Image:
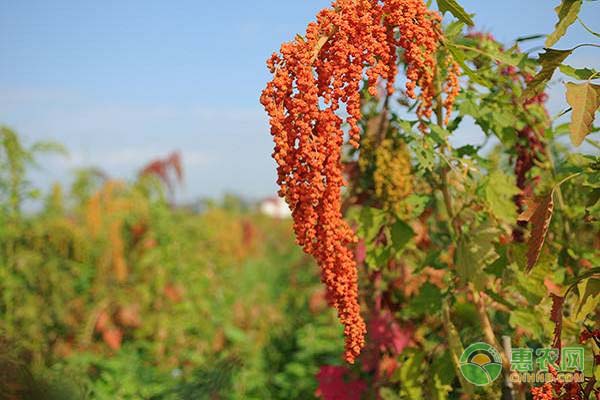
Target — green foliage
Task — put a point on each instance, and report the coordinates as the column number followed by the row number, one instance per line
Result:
column 499, row 233
column 500, row 191
column 549, row 60
column 579, row 73
column 109, row 292
column 455, row 9
column 136, row 299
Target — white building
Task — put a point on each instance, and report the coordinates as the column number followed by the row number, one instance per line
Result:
column 275, row 207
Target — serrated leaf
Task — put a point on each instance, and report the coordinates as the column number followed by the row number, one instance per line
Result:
column 567, row 13
column 453, row 29
column 455, row 9
column 475, row 251
column 531, row 284
column 539, row 214
column 556, row 316
column 499, row 193
column 549, row 60
column 439, row 134
column 584, row 99
column 579, row 73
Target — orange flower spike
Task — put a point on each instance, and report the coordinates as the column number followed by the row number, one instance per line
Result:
column 451, row 89
column 313, row 76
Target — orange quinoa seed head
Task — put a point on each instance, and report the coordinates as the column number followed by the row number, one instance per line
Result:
column 313, row 76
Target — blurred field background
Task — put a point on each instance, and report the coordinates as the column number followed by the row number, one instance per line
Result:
column 109, row 291
column 126, row 272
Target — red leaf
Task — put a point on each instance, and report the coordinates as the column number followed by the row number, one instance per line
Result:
column 361, row 252
column 174, row 293
column 335, row 385
column 387, row 334
column 102, row 321
column 129, row 316
column 556, row 316
column 113, row 338
column 539, row 213
column 161, row 168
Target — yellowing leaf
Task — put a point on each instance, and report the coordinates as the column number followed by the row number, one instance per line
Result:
column 567, row 13
column 584, row 99
column 455, row 9
column 549, row 60
column 589, row 297
column 539, row 214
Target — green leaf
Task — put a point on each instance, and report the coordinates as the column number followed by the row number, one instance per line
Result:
column 528, row 321
column 584, row 98
column 453, row 29
column 371, row 221
column 401, row 234
column 425, row 153
column 549, row 60
column 443, row 369
column 500, row 190
column 459, row 57
column 49, row 147
column 528, row 37
column 427, row 302
column 377, row 256
column 475, row 251
column 530, row 285
column 409, row 372
column 467, row 150
column 455, row 9
column 567, row 13
column 579, row 73
column 439, row 390
column 455, row 346
column 505, row 57
column 439, row 134
column 417, row 204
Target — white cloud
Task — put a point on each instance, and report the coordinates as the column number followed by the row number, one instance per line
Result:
column 223, row 149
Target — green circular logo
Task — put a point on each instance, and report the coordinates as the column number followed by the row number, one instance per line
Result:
column 480, row 364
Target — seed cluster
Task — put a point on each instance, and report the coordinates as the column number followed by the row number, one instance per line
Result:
column 316, row 78
column 393, row 175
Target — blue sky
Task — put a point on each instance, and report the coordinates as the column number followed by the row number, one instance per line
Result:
column 121, row 82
